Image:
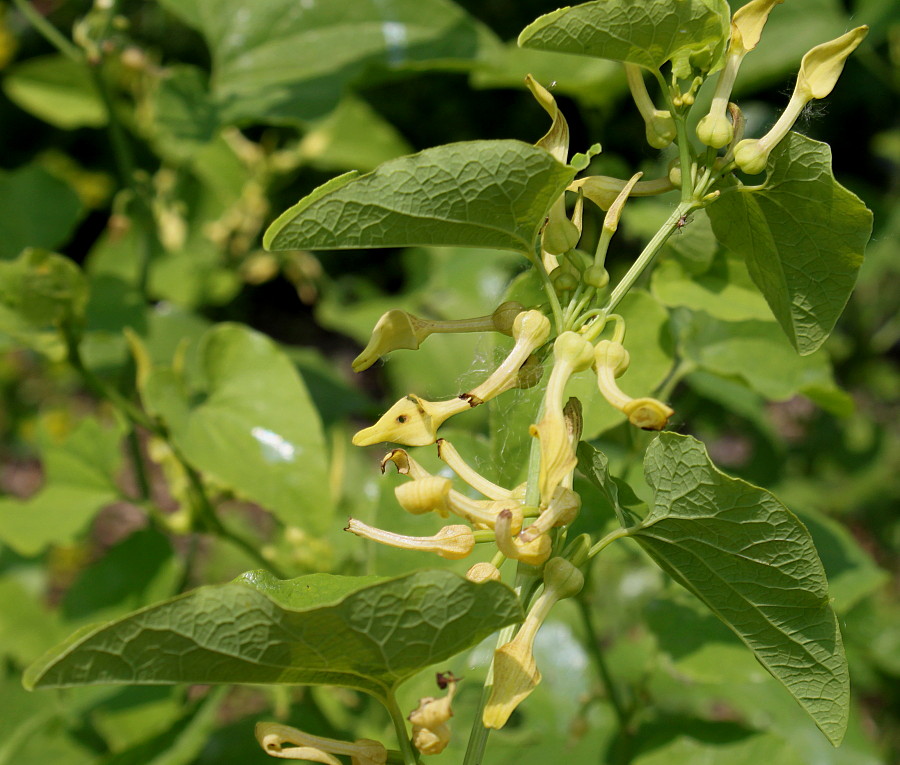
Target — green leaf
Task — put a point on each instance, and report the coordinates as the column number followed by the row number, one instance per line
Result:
column 359, row 632
column 355, row 136
column 685, row 741
column 803, row 236
column 57, row 90
column 491, row 194
column 594, row 465
column 183, row 116
column 252, row 427
column 39, row 291
column 754, row 564
column 644, row 32
column 758, row 353
column 649, row 344
column 287, row 61
column 724, row 290
column 36, row 210
column 81, row 474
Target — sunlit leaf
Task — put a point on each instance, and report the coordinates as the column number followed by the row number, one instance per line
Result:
column 360, row 632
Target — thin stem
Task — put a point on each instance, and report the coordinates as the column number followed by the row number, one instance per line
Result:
column 649, row 252
column 551, row 293
column 215, row 525
column 410, row 757
column 609, row 684
column 608, row 540
column 140, row 469
column 49, row 32
column 479, row 734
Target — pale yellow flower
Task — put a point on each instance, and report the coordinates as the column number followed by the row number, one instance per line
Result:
column 290, row 743
column 819, row 72
column 515, row 672
column 610, row 362
column 451, row 542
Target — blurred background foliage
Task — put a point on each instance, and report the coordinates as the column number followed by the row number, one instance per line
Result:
column 156, row 169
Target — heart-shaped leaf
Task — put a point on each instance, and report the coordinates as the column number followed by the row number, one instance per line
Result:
column 803, row 236
column 491, row 194
column 366, row 633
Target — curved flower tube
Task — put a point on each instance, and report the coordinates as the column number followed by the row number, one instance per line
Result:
column 533, row 552
column 430, row 729
column 451, row 542
column 273, row 737
column 448, row 453
column 515, row 672
column 571, row 354
column 819, row 72
column 562, row 510
column 398, row 329
column 610, row 362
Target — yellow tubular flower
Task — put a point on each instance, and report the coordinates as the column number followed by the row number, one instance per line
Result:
column 398, row 329
column 563, row 509
column 611, row 361
column 430, row 731
column 533, row 552
column 603, row 190
column 715, row 129
column 659, row 125
column 451, row 542
column 424, row 495
column 447, row 452
column 571, row 354
column 412, row 421
column 515, row 672
column 485, row 513
column 273, row 737
column 819, row 72
column 530, row 331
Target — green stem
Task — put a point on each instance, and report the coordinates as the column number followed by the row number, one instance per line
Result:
column 49, row 32
column 479, row 734
column 551, row 293
column 649, row 252
column 612, row 690
column 608, row 540
column 215, row 525
column 410, row 757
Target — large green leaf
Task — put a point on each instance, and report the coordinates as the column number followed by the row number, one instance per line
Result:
column 754, row 564
column 81, row 474
column 802, row 235
column 252, row 428
column 284, row 60
column 644, row 32
column 472, row 194
column 36, row 210
column 57, row 90
column 360, row 632
column 758, row 353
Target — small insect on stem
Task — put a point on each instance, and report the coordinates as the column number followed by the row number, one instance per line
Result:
column 681, row 223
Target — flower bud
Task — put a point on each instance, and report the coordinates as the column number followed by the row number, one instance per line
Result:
column 483, row 572
column 425, row 495
column 715, row 130
column 751, row 156
column 564, row 579
column 505, row 314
